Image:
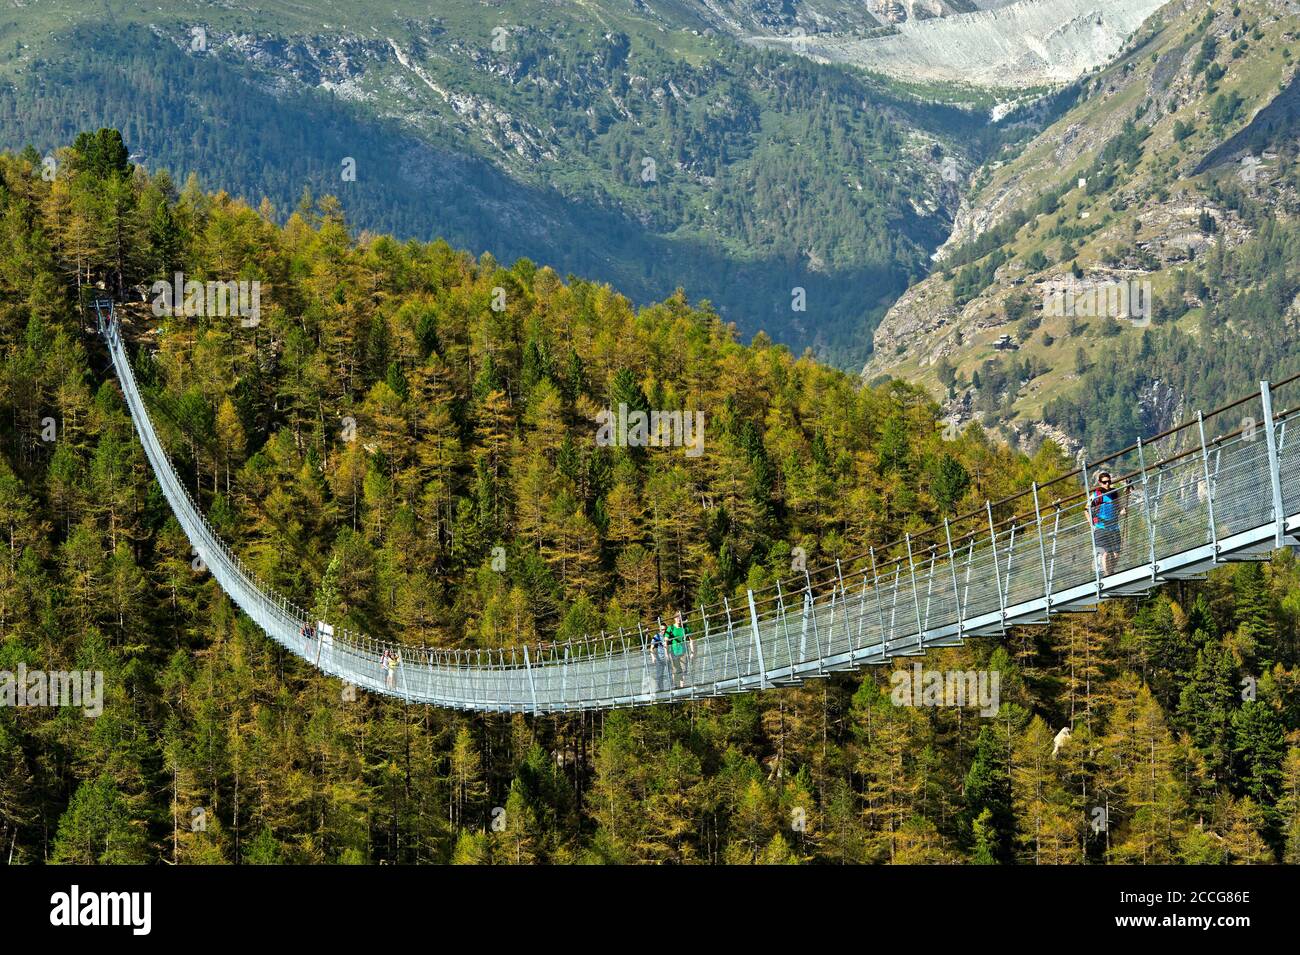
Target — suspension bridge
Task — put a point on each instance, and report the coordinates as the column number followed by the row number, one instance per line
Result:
column 1196, row 503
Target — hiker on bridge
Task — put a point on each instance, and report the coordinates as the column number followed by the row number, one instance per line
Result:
column 680, row 648
column 657, row 650
column 1108, row 509
column 389, row 663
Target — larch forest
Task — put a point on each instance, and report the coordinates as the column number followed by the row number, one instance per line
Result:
column 405, row 442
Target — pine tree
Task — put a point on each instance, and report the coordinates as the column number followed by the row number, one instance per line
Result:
column 98, row 828
column 1205, row 707
column 465, row 780
column 1289, row 806
column 1138, row 775
column 1253, row 604
column 987, row 816
column 1258, row 750
column 1243, row 839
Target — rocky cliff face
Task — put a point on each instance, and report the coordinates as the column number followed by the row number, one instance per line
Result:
column 793, row 18
column 1009, row 45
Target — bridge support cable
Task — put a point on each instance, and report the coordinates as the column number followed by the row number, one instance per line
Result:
column 880, row 608
column 958, row 603
column 1146, row 510
column 1274, row 464
column 1209, row 485
column 997, row 573
column 758, row 640
column 1092, row 526
column 1042, row 552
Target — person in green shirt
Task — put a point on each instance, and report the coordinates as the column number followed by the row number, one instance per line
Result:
column 680, row 648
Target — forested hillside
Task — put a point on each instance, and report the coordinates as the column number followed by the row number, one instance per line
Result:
column 1175, row 170
column 398, row 412
column 607, row 141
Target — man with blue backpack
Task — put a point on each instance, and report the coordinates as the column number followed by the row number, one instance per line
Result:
column 1107, row 509
column 657, row 650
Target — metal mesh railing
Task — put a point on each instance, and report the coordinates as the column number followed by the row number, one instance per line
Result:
column 1208, row 501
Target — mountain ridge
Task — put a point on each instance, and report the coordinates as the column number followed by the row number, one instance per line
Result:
column 1186, row 145
column 559, row 123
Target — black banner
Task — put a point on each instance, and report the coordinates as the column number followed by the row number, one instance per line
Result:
column 339, row 905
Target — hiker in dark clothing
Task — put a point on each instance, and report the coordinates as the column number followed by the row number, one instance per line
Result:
column 658, row 651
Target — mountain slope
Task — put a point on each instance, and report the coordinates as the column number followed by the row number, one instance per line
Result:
column 804, row 17
column 1187, row 143
column 1010, row 45
column 616, row 143
column 473, row 507
column 476, row 509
